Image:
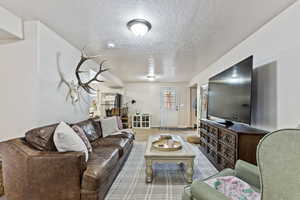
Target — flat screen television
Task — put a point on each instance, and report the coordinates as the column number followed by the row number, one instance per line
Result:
column 230, row 93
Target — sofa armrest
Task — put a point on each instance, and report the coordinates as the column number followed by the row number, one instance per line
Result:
column 35, row 175
column 202, row 191
column 248, row 172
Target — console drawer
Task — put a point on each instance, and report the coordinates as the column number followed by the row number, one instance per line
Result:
column 203, row 137
column 203, row 146
column 212, row 154
column 223, row 163
column 227, row 152
column 213, row 131
column 213, row 143
column 204, row 126
column 228, row 138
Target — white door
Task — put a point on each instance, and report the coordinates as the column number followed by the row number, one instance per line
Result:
column 169, row 107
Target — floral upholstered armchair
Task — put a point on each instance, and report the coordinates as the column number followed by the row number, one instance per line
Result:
column 277, row 176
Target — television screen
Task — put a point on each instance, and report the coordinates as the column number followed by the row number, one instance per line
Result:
column 229, row 93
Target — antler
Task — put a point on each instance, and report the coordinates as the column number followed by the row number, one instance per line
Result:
column 62, row 78
column 72, row 87
column 86, row 86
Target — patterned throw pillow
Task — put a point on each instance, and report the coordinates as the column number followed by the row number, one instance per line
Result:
column 82, row 135
column 119, row 121
column 233, row 188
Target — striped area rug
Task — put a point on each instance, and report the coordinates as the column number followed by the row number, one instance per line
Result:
column 168, row 182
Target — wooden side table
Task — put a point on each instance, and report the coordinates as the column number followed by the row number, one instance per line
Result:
column 1, row 180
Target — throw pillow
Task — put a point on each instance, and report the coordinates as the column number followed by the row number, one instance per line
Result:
column 120, row 124
column 109, row 126
column 42, row 138
column 79, row 131
column 65, row 139
column 233, row 188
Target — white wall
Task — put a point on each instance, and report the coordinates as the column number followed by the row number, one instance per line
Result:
column 29, row 80
column 276, row 48
column 11, row 26
column 17, row 71
column 147, row 96
column 52, row 104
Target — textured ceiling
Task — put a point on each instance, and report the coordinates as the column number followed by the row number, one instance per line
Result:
column 187, row 35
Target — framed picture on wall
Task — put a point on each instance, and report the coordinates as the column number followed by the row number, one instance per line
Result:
column 203, row 99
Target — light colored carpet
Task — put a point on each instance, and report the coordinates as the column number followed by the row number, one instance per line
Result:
column 143, row 134
column 168, row 182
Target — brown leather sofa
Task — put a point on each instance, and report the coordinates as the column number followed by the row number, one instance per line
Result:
column 34, row 170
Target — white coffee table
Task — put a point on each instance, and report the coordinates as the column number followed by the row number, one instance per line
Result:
column 185, row 155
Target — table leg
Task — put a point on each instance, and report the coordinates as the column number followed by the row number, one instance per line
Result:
column 149, row 171
column 190, row 171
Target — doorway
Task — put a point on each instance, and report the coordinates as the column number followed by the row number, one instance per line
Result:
column 193, row 107
column 169, row 108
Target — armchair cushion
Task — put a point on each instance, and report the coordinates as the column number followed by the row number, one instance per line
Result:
column 249, row 173
column 233, row 187
column 225, row 172
column 189, row 190
column 199, row 190
column 202, row 191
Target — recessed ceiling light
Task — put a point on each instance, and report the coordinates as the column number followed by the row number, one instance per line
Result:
column 111, row 45
column 139, row 27
column 151, row 77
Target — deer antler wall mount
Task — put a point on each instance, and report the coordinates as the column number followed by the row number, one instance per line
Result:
column 86, row 85
column 73, row 89
column 73, row 86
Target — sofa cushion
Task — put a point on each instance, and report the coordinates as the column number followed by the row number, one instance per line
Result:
column 109, row 126
column 80, row 132
column 42, row 138
column 91, row 128
column 97, row 124
column 123, row 144
column 66, row 139
column 102, row 161
column 122, row 134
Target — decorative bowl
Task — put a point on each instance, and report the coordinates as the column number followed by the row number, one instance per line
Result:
column 162, row 144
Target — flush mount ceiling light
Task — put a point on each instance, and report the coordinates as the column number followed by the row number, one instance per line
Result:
column 151, row 77
column 139, row 27
column 110, row 45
